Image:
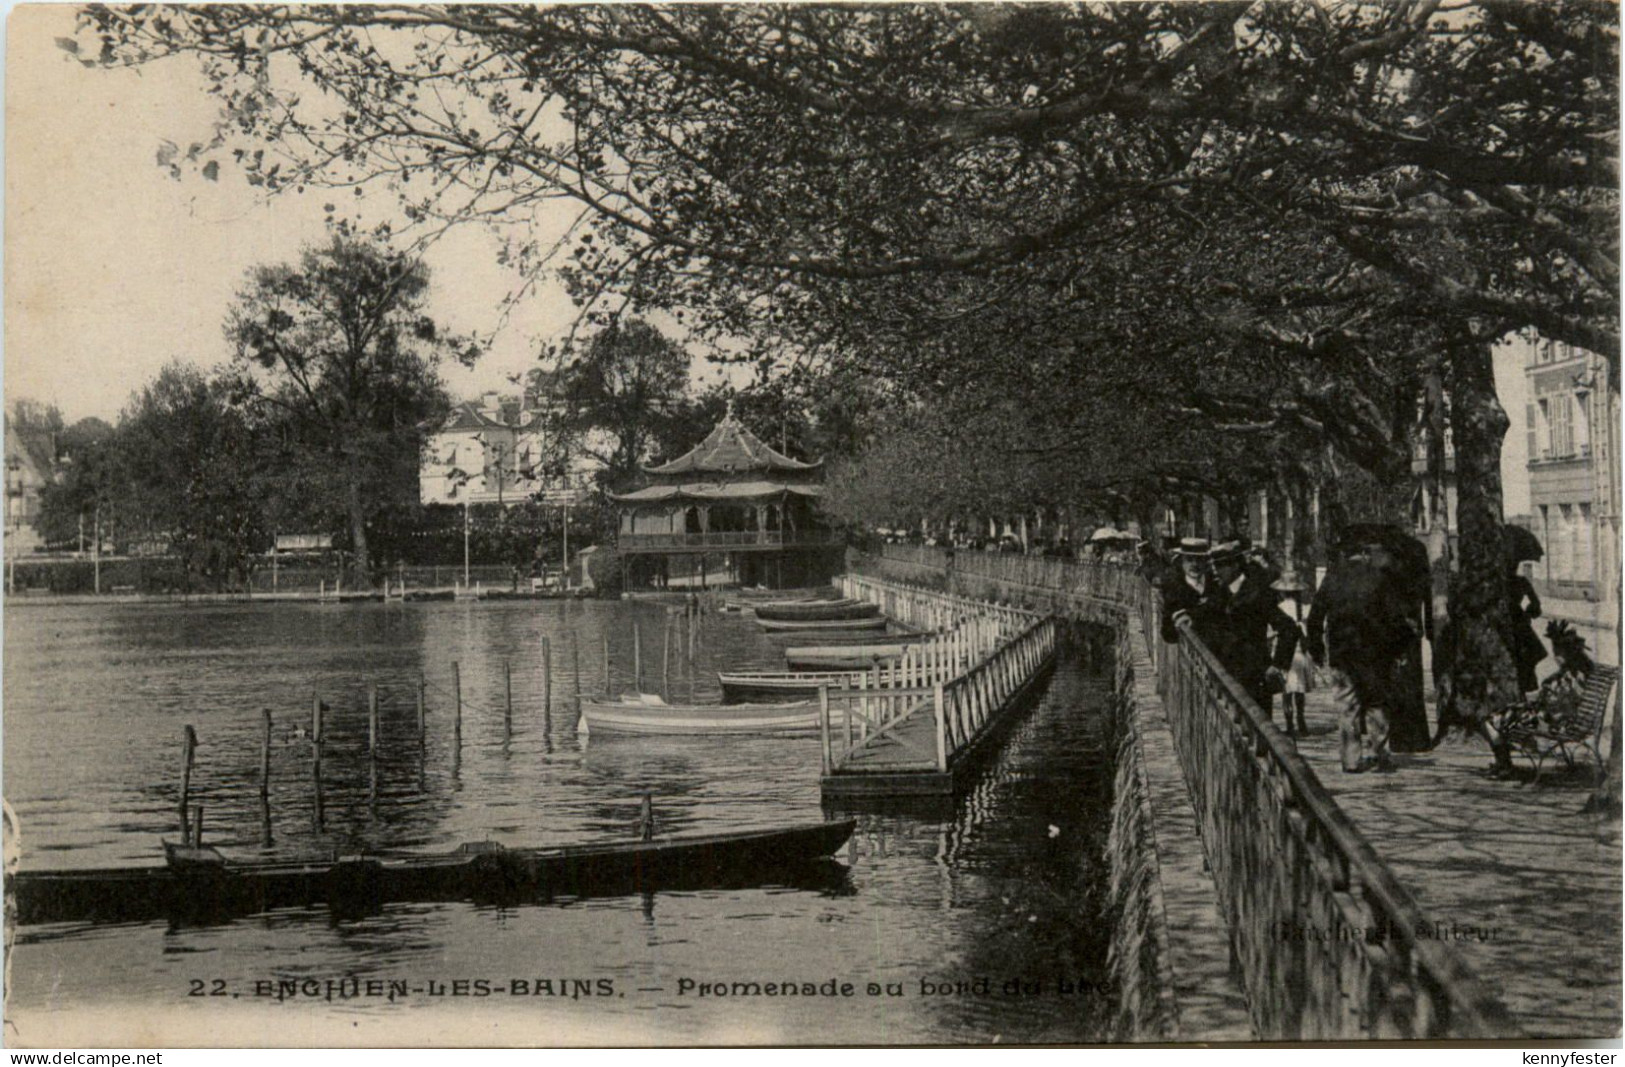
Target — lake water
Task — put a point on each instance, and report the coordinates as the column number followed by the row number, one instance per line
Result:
column 999, row 892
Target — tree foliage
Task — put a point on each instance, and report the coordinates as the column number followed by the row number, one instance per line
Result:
column 338, row 353
column 190, row 472
column 758, row 143
column 624, row 391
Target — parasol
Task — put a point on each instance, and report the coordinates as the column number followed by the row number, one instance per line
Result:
column 1521, row 544
column 1409, row 554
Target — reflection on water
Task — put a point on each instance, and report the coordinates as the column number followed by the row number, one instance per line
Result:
column 975, row 922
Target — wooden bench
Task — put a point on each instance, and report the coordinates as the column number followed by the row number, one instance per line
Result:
column 1559, row 722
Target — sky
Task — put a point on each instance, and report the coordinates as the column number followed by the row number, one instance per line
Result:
column 113, row 268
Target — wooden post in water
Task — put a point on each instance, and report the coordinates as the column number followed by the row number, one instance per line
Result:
column 423, row 684
column 507, row 698
column 665, row 662
column 265, row 759
column 372, row 721
column 607, row 693
column 188, row 750
column 575, row 666
column 457, row 701
column 316, row 783
column 942, row 727
column 547, row 678
column 637, row 659
column 316, row 720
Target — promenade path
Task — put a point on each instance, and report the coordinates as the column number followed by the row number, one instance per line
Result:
column 1532, row 885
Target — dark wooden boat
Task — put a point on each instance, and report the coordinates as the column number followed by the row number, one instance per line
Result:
column 874, row 622
column 815, row 610
column 201, row 883
column 848, row 637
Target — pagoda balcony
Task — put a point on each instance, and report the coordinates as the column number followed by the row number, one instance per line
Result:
column 729, row 541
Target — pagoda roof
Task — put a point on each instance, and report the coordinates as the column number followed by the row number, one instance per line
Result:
column 712, row 491
column 730, row 448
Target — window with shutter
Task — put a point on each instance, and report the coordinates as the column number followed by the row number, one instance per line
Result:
column 1562, row 428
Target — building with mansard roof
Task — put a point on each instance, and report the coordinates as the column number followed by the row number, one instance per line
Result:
column 504, row 450
column 731, row 509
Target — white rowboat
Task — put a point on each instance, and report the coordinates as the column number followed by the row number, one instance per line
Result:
column 645, row 713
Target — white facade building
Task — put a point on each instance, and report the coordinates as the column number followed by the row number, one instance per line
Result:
column 503, row 450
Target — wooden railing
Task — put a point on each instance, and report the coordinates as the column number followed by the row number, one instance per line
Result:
column 931, row 609
column 730, row 539
column 966, row 705
column 1330, row 944
column 981, row 655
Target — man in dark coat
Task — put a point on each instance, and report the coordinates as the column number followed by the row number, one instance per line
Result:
column 1360, row 627
column 1190, row 594
column 1251, row 612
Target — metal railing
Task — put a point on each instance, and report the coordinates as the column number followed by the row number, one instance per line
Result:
column 1330, row 944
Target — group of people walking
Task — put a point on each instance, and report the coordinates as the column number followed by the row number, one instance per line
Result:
column 1365, row 628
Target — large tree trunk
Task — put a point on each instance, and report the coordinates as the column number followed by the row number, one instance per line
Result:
column 362, row 570
column 1298, row 531
column 1440, row 562
column 1475, row 639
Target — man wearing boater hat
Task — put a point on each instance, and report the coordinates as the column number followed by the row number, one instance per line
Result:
column 1251, row 611
column 1191, row 594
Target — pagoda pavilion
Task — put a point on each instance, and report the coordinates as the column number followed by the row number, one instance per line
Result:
column 730, row 511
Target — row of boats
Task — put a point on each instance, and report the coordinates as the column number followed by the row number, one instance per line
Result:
column 833, row 640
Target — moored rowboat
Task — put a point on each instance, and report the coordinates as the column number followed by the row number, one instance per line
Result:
column 815, row 610
column 202, row 882
column 647, row 714
column 747, row 686
column 848, row 637
column 834, row 662
column 876, row 623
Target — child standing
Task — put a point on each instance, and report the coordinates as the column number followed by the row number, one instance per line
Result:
column 1300, row 676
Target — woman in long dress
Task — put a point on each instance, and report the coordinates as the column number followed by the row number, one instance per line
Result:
column 1527, row 650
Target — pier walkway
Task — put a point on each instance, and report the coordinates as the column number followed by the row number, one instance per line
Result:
column 912, row 726
column 1490, row 908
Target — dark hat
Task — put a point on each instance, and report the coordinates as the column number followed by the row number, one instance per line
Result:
column 1193, row 546
column 1225, row 551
